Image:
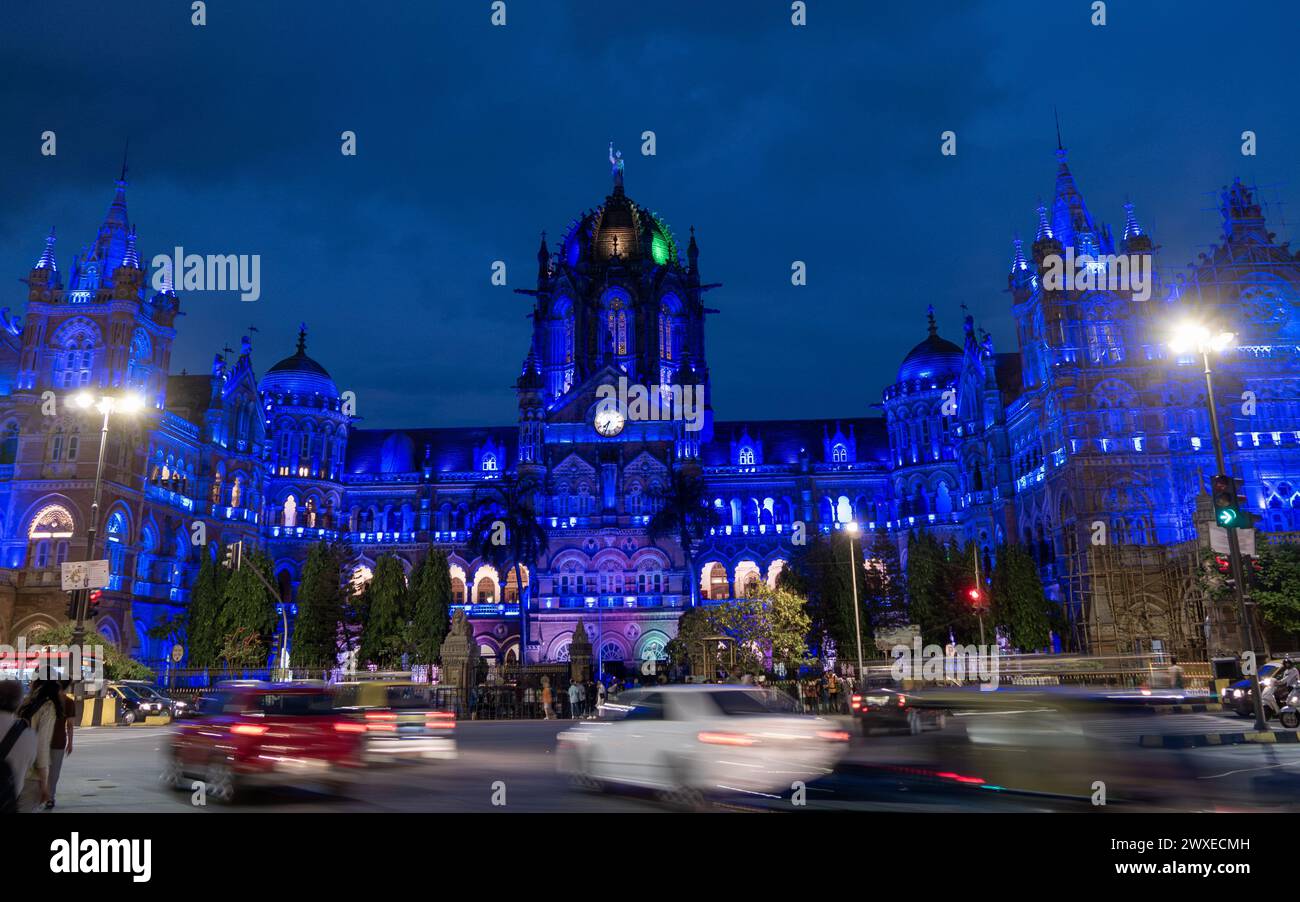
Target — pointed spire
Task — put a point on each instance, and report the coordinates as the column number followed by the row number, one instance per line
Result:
column 1018, row 262
column 132, row 257
column 933, row 329
column 47, row 260
column 1044, row 229
column 302, row 339
column 125, row 150
column 166, row 277
column 1131, row 227
column 543, row 261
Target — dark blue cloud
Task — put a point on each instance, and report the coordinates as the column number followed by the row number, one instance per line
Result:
column 818, row 144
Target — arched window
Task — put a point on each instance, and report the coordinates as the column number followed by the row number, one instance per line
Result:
column 611, row 651
column 74, row 353
column 51, row 522
column 56, row 445
column 489, row 463
column 716, row 587
column 138, row 365
column 746, row 456
column 485, row 591
column 839, row 453
column 616, row 325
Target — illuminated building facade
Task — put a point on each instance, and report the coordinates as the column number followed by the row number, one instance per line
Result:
column 1089, row 425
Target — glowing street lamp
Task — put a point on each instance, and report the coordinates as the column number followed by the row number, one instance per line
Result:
column 852, row 529
column 1192, row 337
column 127, row 404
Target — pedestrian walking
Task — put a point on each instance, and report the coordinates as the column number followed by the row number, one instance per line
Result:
column 575, row 699
column 17, row 746
column 833, row 690
column 548, row 700
column 41, row 709
column 601, row 696
column 61, row 740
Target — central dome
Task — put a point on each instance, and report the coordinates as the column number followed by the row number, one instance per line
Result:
column 934, row 358
column 619, row 227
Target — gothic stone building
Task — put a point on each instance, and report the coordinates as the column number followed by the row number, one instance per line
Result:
column 1090, row 422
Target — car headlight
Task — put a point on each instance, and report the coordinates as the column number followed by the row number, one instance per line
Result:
column 1237, row 693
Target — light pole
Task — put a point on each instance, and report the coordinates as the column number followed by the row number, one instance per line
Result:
column 852, row 529
column 1189, row 337
column 107, row 405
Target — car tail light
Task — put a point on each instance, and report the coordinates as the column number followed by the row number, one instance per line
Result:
column 718, row 738
column 347, row 726
column 855, row 702
column 833, row 735
column 381, row 722
column 440, row 720
column 949, row 775
column 902, row 702
column 248, row 729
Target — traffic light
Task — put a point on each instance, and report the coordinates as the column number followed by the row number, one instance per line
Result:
column 977, row 599
column 92, row 602
column 232, row 556
column 1227, row 513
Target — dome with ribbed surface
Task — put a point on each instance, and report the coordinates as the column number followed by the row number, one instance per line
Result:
column 933, row 358
column 299, row 374
column 619, row 227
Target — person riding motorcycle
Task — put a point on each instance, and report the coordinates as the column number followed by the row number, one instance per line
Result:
column 1286, row 682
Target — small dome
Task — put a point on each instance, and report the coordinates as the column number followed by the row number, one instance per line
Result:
column 934, row 358
column 299, row 374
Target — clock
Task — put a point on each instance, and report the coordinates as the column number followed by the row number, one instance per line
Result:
column 608, row 421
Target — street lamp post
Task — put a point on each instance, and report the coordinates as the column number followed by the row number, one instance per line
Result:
column 852, row 529
column 1193, row 337
column 106, row 404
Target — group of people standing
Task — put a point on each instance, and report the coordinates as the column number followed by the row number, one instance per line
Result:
column 824, row 693
column 35, row 738
column 585, row 699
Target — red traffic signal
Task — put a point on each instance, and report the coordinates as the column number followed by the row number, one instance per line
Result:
column 974, row 594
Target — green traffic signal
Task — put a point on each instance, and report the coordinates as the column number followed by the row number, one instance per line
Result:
column 1223, row 492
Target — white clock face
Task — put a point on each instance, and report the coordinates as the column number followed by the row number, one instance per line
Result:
column 608, row 421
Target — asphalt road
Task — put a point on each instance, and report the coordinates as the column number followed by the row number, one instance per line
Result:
column 1023, row 769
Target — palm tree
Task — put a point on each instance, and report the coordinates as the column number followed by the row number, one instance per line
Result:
column 683, row 513
column 507, row 533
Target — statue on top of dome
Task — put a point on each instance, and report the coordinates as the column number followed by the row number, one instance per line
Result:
column 616, row 165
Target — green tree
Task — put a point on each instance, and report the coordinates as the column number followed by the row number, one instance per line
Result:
column 384, row 630
column 683, row 513
column 507, row 533
column 1019, row 606
column 248, row 609
column 883, row 586
column 206, row 599
column 430, row 605
column 1277, row 587
column 320, row 606
column 773, row 624
column 820, row 571
column 929, row 587
column 118, row 665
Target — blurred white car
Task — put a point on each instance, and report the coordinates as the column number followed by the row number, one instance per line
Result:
column 688, row 741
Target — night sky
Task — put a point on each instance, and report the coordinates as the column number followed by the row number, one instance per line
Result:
column 777, row 143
